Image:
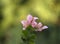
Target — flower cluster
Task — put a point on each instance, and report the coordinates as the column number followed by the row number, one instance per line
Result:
column 32, row 21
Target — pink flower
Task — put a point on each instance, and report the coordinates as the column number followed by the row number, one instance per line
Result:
column 40, row 27
column 30, row 21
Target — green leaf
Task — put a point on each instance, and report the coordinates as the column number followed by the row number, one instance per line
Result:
column 15, row 35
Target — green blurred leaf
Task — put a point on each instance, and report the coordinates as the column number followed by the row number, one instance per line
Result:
column 15, row 35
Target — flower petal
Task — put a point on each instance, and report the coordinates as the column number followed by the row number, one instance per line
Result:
column 24, row 28
column 34, row 24
column 35, row 18
column 44, row 27
column 23, row 22
column 29, row 18
column 39, row 25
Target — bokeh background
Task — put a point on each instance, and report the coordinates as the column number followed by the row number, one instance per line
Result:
column 13, row 11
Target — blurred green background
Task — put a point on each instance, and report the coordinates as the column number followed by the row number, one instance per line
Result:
column 13, row 11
